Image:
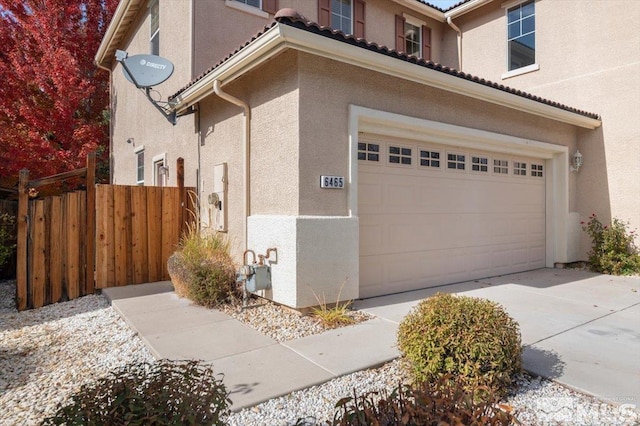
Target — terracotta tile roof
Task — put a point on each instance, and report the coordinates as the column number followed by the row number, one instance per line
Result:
column 433, row 6
column 293, row 19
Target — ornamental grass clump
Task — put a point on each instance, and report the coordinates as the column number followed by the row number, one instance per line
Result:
column 332, row 316
column 469, row 338
column 159, row 393
column 612, row 247
column 202, row 268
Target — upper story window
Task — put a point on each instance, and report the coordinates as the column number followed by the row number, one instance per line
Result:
column 254, row 3
column 413, row 37
column 140, row 166
column 256, row 7
column 521, row 34
column 154, row 30
column 343, row 15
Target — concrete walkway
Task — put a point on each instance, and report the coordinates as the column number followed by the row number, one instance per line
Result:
column 580, row 329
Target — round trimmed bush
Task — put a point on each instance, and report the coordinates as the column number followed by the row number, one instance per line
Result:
column 469, row 338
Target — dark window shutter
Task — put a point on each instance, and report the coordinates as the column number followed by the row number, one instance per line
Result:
column 358, row 18
column 270, row 6
column 426, row 43
column 324, row 13
column 400, row 39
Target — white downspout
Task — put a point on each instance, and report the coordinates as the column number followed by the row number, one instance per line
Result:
column 457, row 30
column 246, row 143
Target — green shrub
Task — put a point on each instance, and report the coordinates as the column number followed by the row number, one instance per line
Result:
column 202, row 269
column 612, row 247
column 444, row 402
column 470, row 338
column 160, row 393
column 7, row 236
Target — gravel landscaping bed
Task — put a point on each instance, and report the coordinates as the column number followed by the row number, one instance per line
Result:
column 48, row 353
column 260, row 315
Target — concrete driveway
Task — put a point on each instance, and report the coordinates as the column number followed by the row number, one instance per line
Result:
column 579, row 328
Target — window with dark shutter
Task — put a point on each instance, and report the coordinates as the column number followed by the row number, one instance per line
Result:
column 324, row 13
column 426, row 43
column 400, row 39
column 358, row 18
column 270, row 6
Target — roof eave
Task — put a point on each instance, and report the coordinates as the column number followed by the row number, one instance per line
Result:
column 423, row 9
column 282, row 36
column 119, row 25
column 465, row 8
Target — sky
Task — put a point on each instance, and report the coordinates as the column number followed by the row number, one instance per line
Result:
column 443, row 4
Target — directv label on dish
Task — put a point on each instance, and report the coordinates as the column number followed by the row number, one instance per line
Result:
column 147, row 70
column 336, row 182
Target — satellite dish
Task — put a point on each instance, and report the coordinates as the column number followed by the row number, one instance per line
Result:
column 146, row 70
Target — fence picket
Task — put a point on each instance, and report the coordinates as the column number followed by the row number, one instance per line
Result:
column 121, row 209
column 171, row 207
column 55, row 245
column 38, row 241
column 139, row 235
column 154, row 232
column 72, row 236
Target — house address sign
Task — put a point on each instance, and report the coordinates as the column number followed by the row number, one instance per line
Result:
column 332, row 182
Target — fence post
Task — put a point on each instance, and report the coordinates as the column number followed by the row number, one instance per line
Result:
column 23, row 217
column 91, row 223
column 183, row 196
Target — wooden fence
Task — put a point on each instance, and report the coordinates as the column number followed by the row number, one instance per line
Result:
column 109, row 235
column 137, row 230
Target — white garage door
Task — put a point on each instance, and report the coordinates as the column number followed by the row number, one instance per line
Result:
column 432, row 215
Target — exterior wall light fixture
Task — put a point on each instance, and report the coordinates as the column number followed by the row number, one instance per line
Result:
column 577, row 161
column 130, row 141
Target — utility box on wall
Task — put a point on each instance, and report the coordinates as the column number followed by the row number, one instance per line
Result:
column 218, row 198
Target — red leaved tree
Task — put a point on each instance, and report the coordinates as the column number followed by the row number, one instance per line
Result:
column 53, row 98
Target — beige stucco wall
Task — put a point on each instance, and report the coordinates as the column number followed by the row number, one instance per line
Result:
column 220, row 29
column 324, row 121
column 589, row 57
column 134, row 117
column 272, row 94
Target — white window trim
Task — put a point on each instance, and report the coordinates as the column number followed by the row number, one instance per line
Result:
column 410, row 19
column 246, row 8
column 520, row 71
column 152, row 36
column 137, row 151
column 156, row 159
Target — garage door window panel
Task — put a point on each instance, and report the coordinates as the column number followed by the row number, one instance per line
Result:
column 537, row 170
column 456, row 162
column 399, row 155
column 500, row 167
column 430, row 159
column 369, row 152
column 479, row 164
column 519, row 168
